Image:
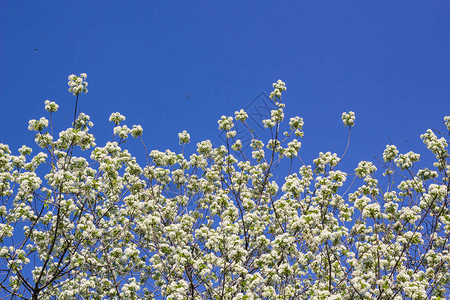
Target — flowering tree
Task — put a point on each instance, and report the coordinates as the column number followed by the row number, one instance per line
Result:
column 101, row 226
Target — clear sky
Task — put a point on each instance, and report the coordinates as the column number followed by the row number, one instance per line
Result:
column 179, row 65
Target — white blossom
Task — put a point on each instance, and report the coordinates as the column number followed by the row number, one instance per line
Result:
column 279, row 87
column 51, row 106
column 348, row 119
column 78, row 84
column 79, row 220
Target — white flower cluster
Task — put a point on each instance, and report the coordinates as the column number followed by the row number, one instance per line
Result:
column 365, row 168
column 276, row 116
column 184, row 137
column 372, row 211
column 296, row 124
column 69, row 137
column 404, row 161
column 51, row 106
column 24, row 150
column 279, row 87
column 269, row 123
column 225, row 123
column 122, row 131
column 116, row 118
column 390, row 153
column 205, row 148
column 447, row 122
column 136, row 131
column 78, row 84
column 240, row 115
column 292, row 150
column 231, row 134
column 437, row 146
column 237, row 145
column 348, row 119
column 37, row 125
column 163, row 158
column 426, row 174
column 325, row 159
column 407, row 186
column 129, row 289
column 44, row 140
column 83, row 122
column 258, row 154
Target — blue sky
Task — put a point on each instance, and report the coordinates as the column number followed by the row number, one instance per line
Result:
column 180, row 65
